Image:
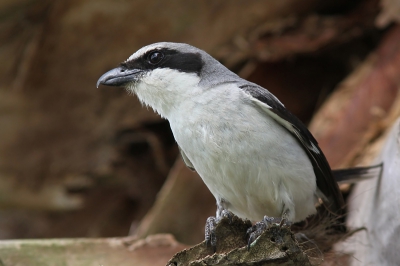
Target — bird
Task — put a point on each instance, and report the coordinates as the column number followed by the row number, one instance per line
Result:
column 257, row 158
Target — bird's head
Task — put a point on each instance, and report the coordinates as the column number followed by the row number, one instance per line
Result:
column 160, row 74
column 163, row 75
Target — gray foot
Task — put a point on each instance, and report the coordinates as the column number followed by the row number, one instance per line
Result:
column 211, row 224
column 257, row 229
column 210, row 237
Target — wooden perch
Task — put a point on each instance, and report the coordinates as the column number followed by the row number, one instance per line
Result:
column 276, row 246
column 128, row 251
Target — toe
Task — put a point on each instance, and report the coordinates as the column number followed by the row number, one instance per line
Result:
column 210, row 237
column 227, row 214
column 210, row 229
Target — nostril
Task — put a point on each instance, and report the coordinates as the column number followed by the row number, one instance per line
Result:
column 122, row 70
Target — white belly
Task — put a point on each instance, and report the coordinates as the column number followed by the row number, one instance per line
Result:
column 248, row 160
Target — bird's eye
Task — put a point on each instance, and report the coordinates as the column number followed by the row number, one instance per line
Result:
column 155, row 58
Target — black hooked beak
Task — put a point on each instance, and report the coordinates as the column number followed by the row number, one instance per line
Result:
column 118, row 76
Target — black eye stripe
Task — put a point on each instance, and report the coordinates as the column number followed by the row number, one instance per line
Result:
column 173, row 59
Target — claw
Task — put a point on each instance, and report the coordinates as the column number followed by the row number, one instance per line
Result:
column 210, row 236
column 227, row 214
column 256, row 230
column 211, row 223
column 269, row 220
column 284, row 223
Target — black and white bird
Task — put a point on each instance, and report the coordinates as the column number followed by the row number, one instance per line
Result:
column 256, row 158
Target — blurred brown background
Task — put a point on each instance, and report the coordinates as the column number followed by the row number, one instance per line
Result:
column 77, row 161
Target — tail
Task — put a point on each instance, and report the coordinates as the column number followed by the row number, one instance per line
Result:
column 357, row 174
column 322, row 230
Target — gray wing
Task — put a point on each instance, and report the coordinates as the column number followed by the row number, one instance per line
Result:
column 186, row 160
column 326, row 183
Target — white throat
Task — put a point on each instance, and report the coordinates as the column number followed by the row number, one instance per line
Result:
column 165, row 89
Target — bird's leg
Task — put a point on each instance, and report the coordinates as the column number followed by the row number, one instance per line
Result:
column 258, row 228
column 211, row 223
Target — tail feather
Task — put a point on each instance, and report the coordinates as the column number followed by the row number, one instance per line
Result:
column 357, row 174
